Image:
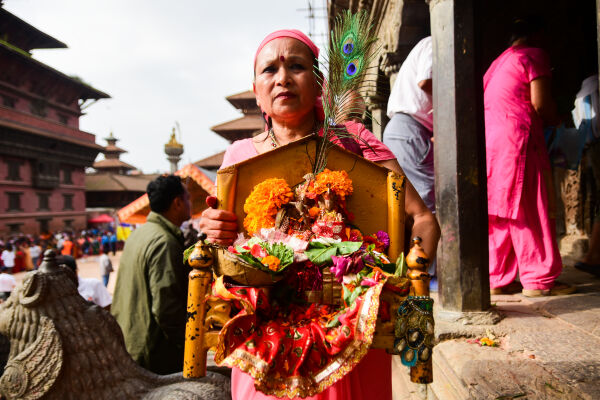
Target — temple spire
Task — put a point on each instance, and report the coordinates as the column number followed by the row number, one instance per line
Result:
column 173, row 150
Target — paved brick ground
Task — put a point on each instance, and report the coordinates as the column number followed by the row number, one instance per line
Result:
column 549, row 348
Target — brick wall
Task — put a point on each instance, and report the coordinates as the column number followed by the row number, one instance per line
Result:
column 30, row 214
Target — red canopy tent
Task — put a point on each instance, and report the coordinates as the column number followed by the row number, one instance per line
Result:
column 101, row 219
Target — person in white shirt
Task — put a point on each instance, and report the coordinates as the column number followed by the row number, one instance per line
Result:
column 409, row 134
column 90, row 289
column 7, row 284
column 105, row 267
column 35, row 252
column 8, row 258
column 410, row 130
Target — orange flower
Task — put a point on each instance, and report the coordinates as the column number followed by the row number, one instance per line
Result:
column 337, row 181
column 271, row 262
column 314, row 212
column 264, row 201
column 487, row 342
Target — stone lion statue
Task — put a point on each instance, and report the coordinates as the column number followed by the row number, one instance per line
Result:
column 63, row 347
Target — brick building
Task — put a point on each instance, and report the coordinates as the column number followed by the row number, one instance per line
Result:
column 43, row 153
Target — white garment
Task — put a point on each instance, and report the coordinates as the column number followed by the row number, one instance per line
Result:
column 8, row 258
column 93, row 290
column 105, row 264
column 589, row 87
column 7, row 282
column 407, row 97
column 35, row 251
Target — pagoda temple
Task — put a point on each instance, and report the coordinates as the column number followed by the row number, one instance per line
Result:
column 249, row 125
column 43, row 153
column 114, row 183
column 111, row 162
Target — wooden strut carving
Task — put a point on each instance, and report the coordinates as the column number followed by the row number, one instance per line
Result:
column 64, row 347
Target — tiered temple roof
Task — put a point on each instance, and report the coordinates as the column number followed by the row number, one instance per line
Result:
column 111, row 162
column 248, row 125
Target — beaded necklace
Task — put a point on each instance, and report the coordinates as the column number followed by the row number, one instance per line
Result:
column 275, row 143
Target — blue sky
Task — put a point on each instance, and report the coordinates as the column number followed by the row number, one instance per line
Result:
column 161, row 62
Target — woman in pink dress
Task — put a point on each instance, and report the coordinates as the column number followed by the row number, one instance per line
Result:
column 287, row 91
column 521, row 216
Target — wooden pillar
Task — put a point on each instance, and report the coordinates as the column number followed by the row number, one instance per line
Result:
column 460, row 173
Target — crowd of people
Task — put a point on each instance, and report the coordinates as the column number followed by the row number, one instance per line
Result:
column 25, row 252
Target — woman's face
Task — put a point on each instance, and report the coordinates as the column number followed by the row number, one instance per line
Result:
column 285, row 84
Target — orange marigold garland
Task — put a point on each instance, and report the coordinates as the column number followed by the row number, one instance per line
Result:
column 263, row 203
column 337, row 181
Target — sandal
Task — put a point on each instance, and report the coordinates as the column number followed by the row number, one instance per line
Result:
column 559, row 289
column 593, row 269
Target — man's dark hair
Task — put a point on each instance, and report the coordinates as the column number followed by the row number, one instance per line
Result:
column 162, row 191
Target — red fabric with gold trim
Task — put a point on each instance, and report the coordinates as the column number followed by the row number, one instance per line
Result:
column 292, row 352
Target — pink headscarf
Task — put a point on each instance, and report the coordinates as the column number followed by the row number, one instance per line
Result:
column 295, row 34
column 292, row 33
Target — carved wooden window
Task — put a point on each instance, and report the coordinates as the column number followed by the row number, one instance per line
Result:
column 14, row 228
column 8, row 101
column 43, row 201
column 39, row 108
column 68, row 201
column 44, row 225
column 14, row 201
column 67, row 178
column 14, row 170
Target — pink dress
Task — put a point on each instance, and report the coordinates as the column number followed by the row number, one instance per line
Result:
column 521, row 225
column 371, row 378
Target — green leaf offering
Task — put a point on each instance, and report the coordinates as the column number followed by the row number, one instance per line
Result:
column 320, row 253
column 281, row 251
column 401, row 267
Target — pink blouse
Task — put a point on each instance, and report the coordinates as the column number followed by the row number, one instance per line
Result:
column 510, row 122
column 244, row 149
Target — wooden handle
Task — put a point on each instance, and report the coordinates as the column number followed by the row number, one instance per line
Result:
column 194, row 355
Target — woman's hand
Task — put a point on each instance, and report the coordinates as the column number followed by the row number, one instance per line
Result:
column 220, row 226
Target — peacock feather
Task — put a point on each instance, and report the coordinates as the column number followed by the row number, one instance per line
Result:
column 352, row 47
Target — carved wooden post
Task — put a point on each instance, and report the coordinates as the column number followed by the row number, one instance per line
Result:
column 395, row 198
column 418, row 262
column 194, row 356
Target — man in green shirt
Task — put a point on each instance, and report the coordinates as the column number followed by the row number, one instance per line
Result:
column 150, row 295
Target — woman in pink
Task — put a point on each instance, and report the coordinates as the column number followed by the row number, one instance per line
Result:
column 517, row 103
column 287, row 90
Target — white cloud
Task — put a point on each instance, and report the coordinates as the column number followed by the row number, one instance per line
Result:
column 161, row 62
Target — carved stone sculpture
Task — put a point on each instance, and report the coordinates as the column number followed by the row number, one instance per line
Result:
column 63, row 347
